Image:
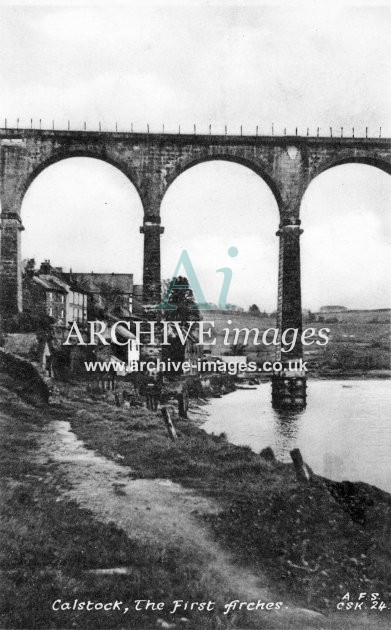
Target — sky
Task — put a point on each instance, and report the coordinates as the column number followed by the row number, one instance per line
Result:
column 236, row 64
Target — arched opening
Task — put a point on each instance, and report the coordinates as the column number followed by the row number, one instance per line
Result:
column 346, row 270
column 345, row 245
column 211, row 207
column 83, row 213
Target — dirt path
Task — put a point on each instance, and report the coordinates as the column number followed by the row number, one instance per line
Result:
column 161, row 513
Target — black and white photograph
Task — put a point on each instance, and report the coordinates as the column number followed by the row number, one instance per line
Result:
column 195, row 309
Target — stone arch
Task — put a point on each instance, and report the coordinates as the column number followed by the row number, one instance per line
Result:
column 374, row 161
column 222, row 197
column 60, row 156
column 91, row 194
column 323, row 228
column 259, row 169
column 366, row 160
column 11, row 294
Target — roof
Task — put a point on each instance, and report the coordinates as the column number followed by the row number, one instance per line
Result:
column 54, row 282
column 50, row 283
column 94, row 282
column 125, row 332
column 54, row 279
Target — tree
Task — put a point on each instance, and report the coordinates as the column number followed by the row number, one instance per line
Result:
column 254, row 309
column 28, row 322
column 28, row 267
column 112, row 300
column 181, row 296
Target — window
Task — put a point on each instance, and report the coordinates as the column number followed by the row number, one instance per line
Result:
column 51, row 311
column 50, row 295
column 62, row 313
column 62, row 298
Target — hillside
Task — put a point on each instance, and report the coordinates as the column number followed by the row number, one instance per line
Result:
column 359, row 340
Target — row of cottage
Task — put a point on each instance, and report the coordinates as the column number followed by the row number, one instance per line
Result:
column 82, row 297
column 70, row 297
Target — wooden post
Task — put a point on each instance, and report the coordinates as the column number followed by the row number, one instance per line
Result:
column 301, row 472
column 181, row 406
column 183, row 401
column 169, row 425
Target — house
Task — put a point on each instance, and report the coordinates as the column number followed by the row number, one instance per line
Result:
column 43, row 295
column 109, row 292
column 47, row 297
column 129, row 353
column 76, row 306
column 48, row 292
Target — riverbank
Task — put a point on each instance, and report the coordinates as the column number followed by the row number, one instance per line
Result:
column 337, row 433
column 306, row 541
column 295, row 538
column 348, row 375
column 78, row 527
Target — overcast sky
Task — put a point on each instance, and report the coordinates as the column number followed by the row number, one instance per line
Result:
column 249, row 65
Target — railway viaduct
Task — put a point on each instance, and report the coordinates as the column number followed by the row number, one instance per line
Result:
column 152, row 162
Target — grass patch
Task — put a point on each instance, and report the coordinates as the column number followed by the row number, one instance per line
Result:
column 305, row 540
column 49, row 543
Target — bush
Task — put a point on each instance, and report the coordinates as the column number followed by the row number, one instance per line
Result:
column 26, row 322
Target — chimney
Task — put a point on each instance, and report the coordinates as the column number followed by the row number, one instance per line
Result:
column 45, row 267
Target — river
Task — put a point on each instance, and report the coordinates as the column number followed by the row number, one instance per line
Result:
column 344, row 432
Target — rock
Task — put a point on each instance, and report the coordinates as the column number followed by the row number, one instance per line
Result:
column 268, row 454
column 164, row 624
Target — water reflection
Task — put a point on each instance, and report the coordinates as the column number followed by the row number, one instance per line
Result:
column 286, row 429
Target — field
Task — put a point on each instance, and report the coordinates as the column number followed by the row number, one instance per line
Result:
column 359, row 341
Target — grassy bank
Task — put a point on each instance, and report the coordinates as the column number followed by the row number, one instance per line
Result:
column 50, row 545
column 304, row 538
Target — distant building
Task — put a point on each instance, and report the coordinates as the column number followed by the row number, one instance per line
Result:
column 109, row 292
column 332, row 309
